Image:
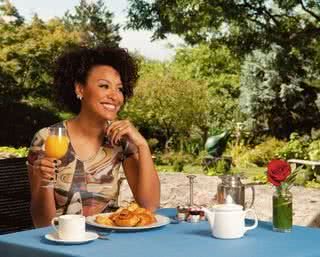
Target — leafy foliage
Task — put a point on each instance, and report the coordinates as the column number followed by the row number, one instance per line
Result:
column 94, row 23
column 314, row 150
column 214, row 65
column 261, row 179
column 221, row 167
column 169, row 108
column 217, row 68
column 28, row 52
column 8, row 88
column 29, row 49
column 19, row 152
column 279, row 84
column 260, row 155
column 274, row 97
column 312, row 184
column 9, row 13
column 176, row 159
column 296, row 148
column 243, row 25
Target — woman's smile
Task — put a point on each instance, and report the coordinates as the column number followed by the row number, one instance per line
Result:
column 110, row 107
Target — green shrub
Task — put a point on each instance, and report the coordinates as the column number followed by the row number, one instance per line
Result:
column 315, row 134
column 158, row 159
column 191, row 145
column 236, row 153
column 312, row 184
column 176, row 159
column 261, row 179
column 164, row 159
column 180, row 160
column 198, row 160
column 19, row 152
column 178, row 165
column 314, row 150
column 153, row 142
column 219, row 168
column 265, row 151
column 260, row 155
column 296, row 148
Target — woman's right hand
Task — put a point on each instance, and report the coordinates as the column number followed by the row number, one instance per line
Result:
column 46, row 168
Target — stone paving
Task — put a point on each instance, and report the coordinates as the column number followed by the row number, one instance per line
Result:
column 175, row 191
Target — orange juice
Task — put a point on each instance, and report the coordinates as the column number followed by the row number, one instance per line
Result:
column 56, row 146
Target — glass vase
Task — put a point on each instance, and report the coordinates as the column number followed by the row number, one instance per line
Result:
column 282, row 210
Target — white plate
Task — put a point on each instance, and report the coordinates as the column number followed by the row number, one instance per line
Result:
column 89, row 236
column 161, row 221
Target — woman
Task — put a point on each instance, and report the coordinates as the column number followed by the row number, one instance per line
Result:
column 94, row 84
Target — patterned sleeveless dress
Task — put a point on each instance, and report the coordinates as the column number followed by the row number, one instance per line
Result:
column 89, row 186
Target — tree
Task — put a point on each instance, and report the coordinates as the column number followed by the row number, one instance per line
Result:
column 243, row 24
column 9, row 14
column 29, row 50
column 279, row 103
column 219, row 70
column 94, row 22
column 169, row 109
column 217, row 66
column 8, row 89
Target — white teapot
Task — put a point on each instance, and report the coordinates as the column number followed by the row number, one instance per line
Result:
column 227, row 221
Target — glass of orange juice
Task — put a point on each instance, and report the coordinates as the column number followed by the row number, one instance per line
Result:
column 56, row 144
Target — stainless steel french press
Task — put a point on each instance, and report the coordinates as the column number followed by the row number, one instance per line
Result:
column 231, row 186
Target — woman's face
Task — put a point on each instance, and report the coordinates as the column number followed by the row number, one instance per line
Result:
column 102, row 94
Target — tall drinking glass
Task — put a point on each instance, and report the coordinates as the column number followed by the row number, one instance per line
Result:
column 56, row 146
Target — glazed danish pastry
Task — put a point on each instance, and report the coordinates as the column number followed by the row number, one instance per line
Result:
column 126, row 218
column 132, row 216
column 105, row 220
column 145, row 219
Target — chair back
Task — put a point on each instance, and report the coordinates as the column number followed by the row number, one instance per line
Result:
column 14, row 196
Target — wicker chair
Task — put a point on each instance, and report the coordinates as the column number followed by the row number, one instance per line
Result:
column 14, row 196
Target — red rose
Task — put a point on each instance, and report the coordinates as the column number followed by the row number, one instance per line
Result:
column 278, row 171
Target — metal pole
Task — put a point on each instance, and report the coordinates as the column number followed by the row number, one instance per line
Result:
column 191, row 181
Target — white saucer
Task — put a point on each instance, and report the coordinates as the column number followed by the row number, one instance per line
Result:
column 89, row 236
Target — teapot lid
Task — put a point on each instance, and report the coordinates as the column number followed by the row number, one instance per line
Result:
column 229, row 207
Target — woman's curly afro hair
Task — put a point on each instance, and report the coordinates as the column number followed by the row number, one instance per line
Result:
column 74, row 66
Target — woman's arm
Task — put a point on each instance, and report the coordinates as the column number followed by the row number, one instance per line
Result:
column 143, row 178
column 139, row 169
column 43, row 208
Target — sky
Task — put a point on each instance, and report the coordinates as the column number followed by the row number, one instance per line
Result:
column 139, row 41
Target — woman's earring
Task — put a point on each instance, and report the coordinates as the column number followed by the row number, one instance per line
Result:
column 79, row 97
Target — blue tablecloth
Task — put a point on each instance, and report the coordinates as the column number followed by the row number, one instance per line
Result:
column 173, row 240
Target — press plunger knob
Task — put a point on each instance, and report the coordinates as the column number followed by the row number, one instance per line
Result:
column 229, row 199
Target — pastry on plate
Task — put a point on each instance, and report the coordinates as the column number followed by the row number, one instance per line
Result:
column 104, row 220
column 126, row 218
column 132, row 216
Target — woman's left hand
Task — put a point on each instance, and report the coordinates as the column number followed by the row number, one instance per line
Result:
column 124, row 129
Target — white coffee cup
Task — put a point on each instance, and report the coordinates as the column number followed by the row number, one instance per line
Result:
column 70, row 227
